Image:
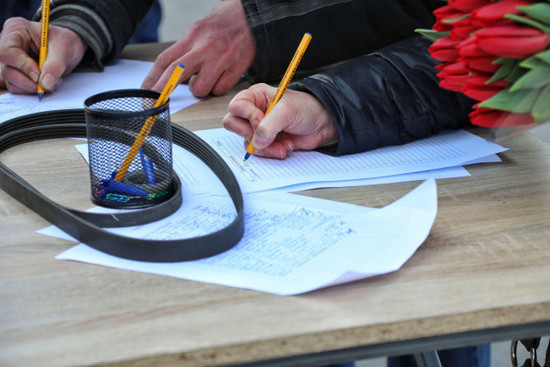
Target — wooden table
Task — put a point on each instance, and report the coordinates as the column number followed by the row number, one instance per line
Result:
column 482, row 275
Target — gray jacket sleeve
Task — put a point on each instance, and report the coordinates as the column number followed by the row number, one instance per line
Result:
column 104, row 25
column 341, row 29
column 391, row 96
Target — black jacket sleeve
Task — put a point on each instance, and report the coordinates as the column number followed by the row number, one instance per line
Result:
column 104, row 25
column 388, row 97
column 341, row 29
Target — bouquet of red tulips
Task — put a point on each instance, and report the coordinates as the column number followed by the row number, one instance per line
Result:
column 496, row 52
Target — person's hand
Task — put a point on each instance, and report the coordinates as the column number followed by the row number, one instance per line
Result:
column 216, row 51
column 298, row 121
column 19, row 50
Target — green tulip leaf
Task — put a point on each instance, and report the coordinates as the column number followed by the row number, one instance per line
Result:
column 520, row 101
column 450, row 20
column 535, row 62
column 543, row 55
column 516, row 73
column 534, row 78
column 431, row 34
column 502, row 59
column 541, row 108
column 538, row 11
column 528, row 21
column 505, row 69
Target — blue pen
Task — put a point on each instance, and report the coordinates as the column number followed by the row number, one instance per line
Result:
column 148, row 168
column 110, row 185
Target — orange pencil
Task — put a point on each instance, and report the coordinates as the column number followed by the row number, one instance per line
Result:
column 43, row 42
column 284, row 82
column 148, row 125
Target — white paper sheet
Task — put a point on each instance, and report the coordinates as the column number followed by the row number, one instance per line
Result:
column 76, row 87
column 447, row 149
column 280, row 253
column 198, row 180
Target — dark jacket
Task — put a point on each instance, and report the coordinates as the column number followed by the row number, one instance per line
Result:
column 341, row 30
column 104, row 25
column 388, row 97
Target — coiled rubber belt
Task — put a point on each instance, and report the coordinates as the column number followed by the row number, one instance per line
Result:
column 87, row 227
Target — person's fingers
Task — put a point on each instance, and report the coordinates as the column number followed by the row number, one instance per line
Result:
column 272, row 124
column 2, row 82
column 219, row 72
column 251, row 103
column 18, row 41
column 278, row 149
column 64, row 54
column 238, row 125
column 216, row 52
column 225, row 82
column 17, row 82
column 165, row 64
column 52, row 71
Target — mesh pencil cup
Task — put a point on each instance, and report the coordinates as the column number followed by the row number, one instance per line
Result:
column 129, row 148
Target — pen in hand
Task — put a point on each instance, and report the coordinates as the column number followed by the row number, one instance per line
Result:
column 43, row 42
column 284, row 82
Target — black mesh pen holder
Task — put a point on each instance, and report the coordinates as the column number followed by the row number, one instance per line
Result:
column 129, row 148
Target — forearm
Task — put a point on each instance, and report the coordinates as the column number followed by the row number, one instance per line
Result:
column 105, row 26
column 385, row 98
column 341, row 29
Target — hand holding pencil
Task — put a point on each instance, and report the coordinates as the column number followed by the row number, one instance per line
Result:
column 20, row 44
column 299, row 121
column 284, row 82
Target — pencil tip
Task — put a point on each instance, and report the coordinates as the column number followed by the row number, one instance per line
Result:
column 39, row 96
column 246, row 156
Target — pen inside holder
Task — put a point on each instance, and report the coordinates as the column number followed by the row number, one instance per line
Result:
column 130, row 166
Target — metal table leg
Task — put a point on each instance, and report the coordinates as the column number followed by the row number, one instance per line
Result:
column 427, row 359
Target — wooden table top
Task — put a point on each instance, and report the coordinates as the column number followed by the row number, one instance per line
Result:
column 483, row 273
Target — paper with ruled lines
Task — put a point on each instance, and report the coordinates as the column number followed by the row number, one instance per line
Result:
column 447, row 149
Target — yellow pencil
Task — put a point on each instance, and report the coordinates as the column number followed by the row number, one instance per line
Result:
column 284, row 82
column 43, row 42
column 168, row 89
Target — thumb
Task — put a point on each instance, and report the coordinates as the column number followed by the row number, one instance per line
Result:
column 268, row 128
column 52, row 71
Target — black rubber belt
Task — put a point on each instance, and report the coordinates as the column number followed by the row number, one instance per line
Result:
column 87, row 227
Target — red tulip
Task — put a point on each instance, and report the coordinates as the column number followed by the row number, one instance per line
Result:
column 475, row 58
column 495, row 12
column 517, row 42
column 462, row 29
column 443, row 13
column 488, row 117
column 476, row 87
column 482, row 64
column 467, row 6
column 453, row 76
column 444, row 49
column 469, row 48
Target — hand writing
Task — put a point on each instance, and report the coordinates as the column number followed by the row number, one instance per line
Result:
column 298, row 121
